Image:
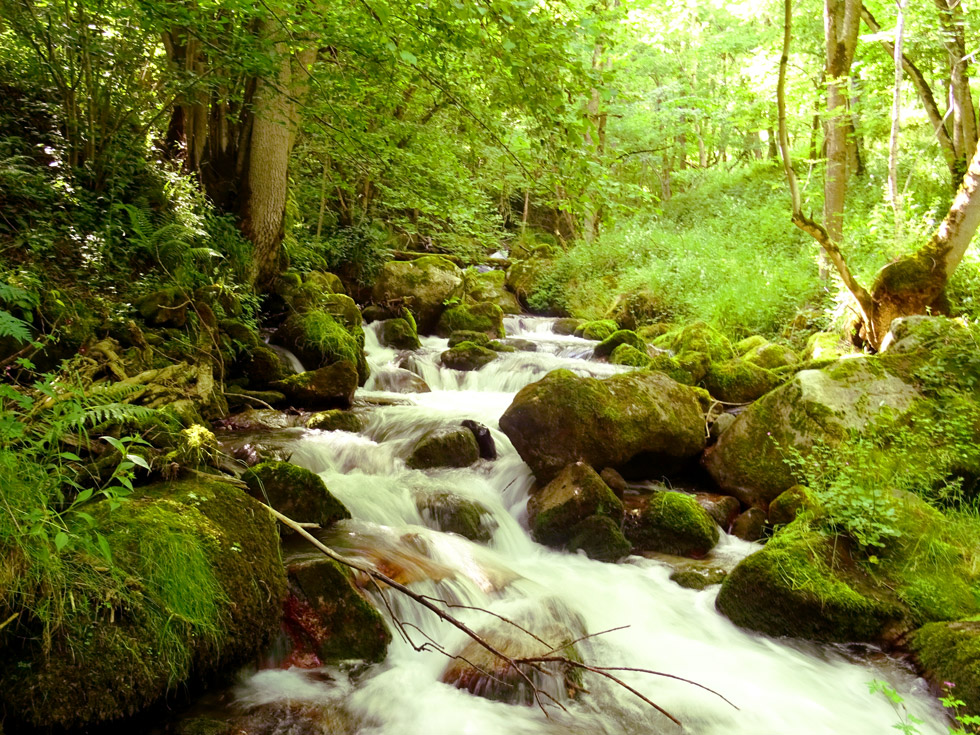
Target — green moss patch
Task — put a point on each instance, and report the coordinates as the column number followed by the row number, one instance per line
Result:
column 673, row 523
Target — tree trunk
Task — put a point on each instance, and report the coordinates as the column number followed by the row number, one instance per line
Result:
column 893, row 191
column 960, row 99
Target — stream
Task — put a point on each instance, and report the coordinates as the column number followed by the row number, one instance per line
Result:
column 779, row 686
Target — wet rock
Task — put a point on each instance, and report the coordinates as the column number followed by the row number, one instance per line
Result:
column 565, row 326
column 204, row 726
column 486, row 318
column 289, row 717
column 600, row 537
column 698, row 579
column 614, row 480
column 374, row 313
column 749, row 459
column 490, row 287
column 750, row 525
column 450, row 447
column 399, row 334
column 452, row 513
column 336, row 420
column 720, row 425
column 617, row 338
column 295, row 492
column 784, row 509
column 326, row 609
column 484, row 440
column 629, row 355
column 263, row 366
column 519, row 345
column 576, row 493
column 332, row 386
column 424, row 285
column 950, row 652
column 739, row 381
column 259, row 419
column 644, row 417
column 466, row 335
column 672, row 523
column 467, row 356
column 399, row 380
column 723, row 509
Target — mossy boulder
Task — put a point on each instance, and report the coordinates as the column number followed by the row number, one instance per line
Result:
column 743, row 347
column 576, row 493
column 670, row 367
column 328, row 387
column 597, row 329
column 642, row 418
column 771, row 356
column 672, row 523
column 319, row 339
column 694, row 363
column 326, row 609
column 166, row 307
column 449, row 447
column 423, row 284
column 698, row 577
column 336, row 420
column 465, row 335
column 629, row 355
column 524, row 277
column 739, row 381
column 749, row 459
column 262, row 366
column 490, row 287
column 698, row 337
column 786, row 506
column 201, row 594
column 484, row 317
column 295, row 492
column 950, row 652
column 452, row 513
column 467, row 356
column 639, row 308
column 325, row 281
column 566, row 325
column 240, row 399
column 399, row 334
column 617, row 338
column 804, row 584
column 600, row 537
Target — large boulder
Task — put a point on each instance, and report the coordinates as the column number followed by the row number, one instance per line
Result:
column 332, row 386
column 950, row 652
column 641, row 418
column 450, row 447
column 295, row 492
column 490, row 286
column 739, row 381
column 467, row 356
column 423, row 284
column 484, row 317
column 574, row 495
column 197, row 589
column 749, row 459
column 672, row 523
column 319, row 338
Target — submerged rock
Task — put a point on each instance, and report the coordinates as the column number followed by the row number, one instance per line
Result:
column 452, row 513
column 400, row 380
column 642, row 417
column 336, row 420
column 467, row 356
column 450, row 447
column 295, row 492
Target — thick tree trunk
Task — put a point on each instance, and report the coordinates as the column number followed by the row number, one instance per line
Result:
column 960, row 98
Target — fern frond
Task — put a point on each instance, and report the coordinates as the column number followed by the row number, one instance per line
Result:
column 11, row 326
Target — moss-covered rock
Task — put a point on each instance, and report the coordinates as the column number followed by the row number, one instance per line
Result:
column 617, row 338
column 639, row 308
column 600, row 537
column 336, row 420
column 325, row 281
column 295, row 492
column 805, row 585
column 467, row 356
column 319, row 339
column 332, row 614
column 640, row 416
column 262, row 366
column 786, row 506
column 575, row 494
column 566, row 325
column 423, row 284
column 749, row 459
column 698, row 337
column 742, row 347
column 328, row 387
column 524, row 277
column 240, row 398
column 449, row 447
column 452, row 513
column 672, row 523
column 484, row 317
column 201, row 593
column 490, row 287
column 826, row 345
column 399, row 334
column 950, row 652
column 166, row 307
column 694, row 363
column 598, row 329
column 465, row 335
column 629, row 355
column 739, row 381
column 698, row 577
column 497, row 346
column 670, row 367
column 771, row 356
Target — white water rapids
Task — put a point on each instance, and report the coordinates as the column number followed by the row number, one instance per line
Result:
column 780, row 687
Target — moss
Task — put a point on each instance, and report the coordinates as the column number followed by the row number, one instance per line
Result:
column 566, row 325
column 452, row 513
column 576, row 493
column 617, row 338
column 804, row 584
column 636, row 309
column 262, row 366
column 698, row 578
column 771, row 356
column 825, row 345
column 673, row 523
column 467, row 356
column 784, row 509
column 319, row 339
column 335, row 420
column 399, row 334
column 650, row 332
column 739, row 381
column 950, row 652
column 324, row 281
column 600, row 538
column 194, row 587
column 750, row 343
column 498, row 346
column 628, row 355
column 465, row 335
column 445, row 448
column 327, row 387
column 484, row 317
column 599, row 329
column 694, row 363
column 489, row 286
column 196, row 448
column 295, row 492
column 669, row 366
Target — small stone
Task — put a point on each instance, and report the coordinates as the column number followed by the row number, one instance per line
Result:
column 484, row 440
column 450, row 447
column 750, row 525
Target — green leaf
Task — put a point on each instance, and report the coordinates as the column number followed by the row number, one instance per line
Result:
column 115, row 444
column 70, row 456
column 104, row 547
column 82, row 497
column 61, row 540
column 138, row 461
column 408, row 57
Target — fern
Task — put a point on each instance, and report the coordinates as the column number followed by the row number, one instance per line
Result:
column 11, row 326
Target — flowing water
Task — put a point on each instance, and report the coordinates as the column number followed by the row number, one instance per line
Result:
column 779, row 687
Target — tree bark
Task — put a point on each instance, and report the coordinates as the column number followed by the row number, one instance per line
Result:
column 893, row 191
column 960, row 98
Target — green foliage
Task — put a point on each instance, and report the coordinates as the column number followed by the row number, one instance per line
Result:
column 908, row 723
